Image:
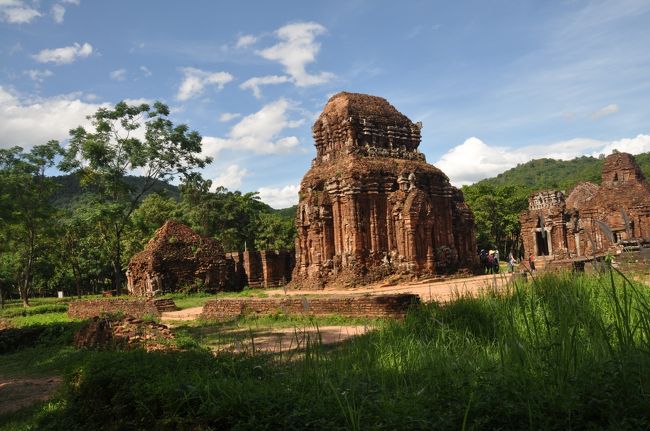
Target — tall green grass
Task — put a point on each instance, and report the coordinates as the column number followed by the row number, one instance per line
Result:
column 561, row 352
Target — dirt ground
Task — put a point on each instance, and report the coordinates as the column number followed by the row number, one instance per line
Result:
column 182, row 315
column 276, row 340
column 441, row 290
column 17, row 393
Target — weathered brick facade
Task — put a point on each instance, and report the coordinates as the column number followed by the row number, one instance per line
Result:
column 178, row 257
column 370, row 205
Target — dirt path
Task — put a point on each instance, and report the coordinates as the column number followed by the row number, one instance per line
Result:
column 17, row 393
column 184, row 315
column 429, row 290
column 276, row 340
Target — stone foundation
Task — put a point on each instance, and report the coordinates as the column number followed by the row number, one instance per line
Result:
column 351, row 306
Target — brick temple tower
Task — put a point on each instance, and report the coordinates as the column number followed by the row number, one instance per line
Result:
column 371, row 205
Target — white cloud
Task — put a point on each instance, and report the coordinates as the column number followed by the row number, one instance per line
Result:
column 74, row 2
column 255, row 83
column 280, row 197
column 118, row 75
column 65, row 55
column 610, row 109
column 17, row 12
column 58, row 12
column 474, row 160
column 27, row 122
column 138, row 102
column 196, row 80
column 228, row 116
column 230, row 178
column 145, row 71
column 258, row 132
column 636, row 145
column 38, row 75
column 245, row 41
column 298, row 48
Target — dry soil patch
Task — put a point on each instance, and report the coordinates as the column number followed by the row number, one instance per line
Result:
column 276, row 340
column 18, row 393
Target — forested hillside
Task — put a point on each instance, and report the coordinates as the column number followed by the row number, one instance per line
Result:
column 558, row 174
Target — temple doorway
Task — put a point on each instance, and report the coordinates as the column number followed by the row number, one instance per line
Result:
column 542, row 243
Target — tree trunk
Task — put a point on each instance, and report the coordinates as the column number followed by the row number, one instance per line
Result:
column 25, row 285
column 77, row 275
column 117, row 265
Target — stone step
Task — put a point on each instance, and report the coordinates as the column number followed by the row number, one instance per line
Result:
column 164, row 305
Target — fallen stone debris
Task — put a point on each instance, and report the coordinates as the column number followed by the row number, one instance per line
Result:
column 124, row 333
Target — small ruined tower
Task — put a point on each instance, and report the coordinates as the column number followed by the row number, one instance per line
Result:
column 371, row 206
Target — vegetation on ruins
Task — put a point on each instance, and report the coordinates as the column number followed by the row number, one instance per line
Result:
column 560, row 352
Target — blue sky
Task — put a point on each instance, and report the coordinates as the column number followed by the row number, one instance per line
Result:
column 494, row 83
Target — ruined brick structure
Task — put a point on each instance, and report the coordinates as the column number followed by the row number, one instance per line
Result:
column 395, row 305
column 178, row 257
column 569, row 228
column 370, row 205
column 268, row 268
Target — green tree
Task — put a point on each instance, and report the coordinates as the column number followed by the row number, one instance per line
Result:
column 27, row 215
column 154, row 211
column 496, row 212
column 230, row 217
column 85, row 237
column 113, row 149
column 275, row 232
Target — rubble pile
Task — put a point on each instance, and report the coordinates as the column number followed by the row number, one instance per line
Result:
column 127, row 332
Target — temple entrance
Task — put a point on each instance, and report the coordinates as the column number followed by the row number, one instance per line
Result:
column 542, row 243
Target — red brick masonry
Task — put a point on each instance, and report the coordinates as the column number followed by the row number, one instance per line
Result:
column 139, row 308
column 353, row 306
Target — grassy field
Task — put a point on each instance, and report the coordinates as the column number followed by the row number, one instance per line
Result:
column 562, row 352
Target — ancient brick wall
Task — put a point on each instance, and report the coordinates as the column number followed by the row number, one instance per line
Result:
column 84, row 309
column 362, row 306
column 371, row 206
column 263, row 268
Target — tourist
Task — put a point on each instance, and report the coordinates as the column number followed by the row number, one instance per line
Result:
column 531, row 262
column 483, row 259
column 511, row 263
column 496, row 261
column 490, row 262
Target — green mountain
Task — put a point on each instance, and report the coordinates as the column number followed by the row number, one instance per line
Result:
column 70, row 189
column 558, row 174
